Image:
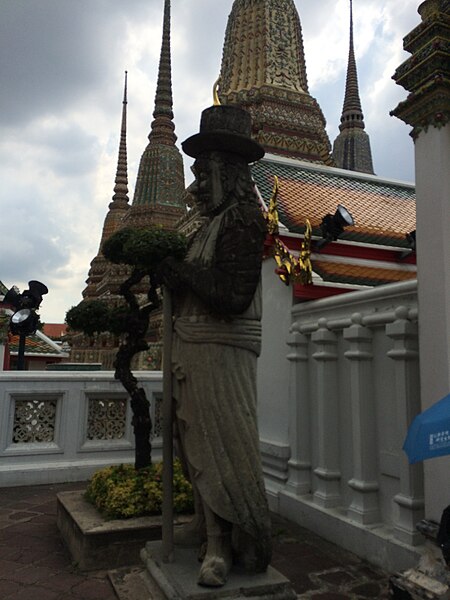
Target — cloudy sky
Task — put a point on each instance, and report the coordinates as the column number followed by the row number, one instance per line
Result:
column 62, row 65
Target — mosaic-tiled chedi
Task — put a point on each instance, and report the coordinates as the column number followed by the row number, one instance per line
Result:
column 117, row 210
column 158, row 200
column 351, row 148
column 98, row 283
column 263, row 70
column 426, row 74
column 159, row 192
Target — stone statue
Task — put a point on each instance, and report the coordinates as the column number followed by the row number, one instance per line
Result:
column 217, row 337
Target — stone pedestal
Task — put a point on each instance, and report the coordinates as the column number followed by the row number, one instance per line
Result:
column 96, row 543
column 178, row 580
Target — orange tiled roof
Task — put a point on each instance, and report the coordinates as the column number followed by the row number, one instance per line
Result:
column 384, row 212
column 33, row 345
column 356, row 274
column 55, row 330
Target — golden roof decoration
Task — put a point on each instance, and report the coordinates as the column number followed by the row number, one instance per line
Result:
column 289, row 268
column 216, row 101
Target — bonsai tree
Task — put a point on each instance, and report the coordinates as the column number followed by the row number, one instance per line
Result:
column 142, row 250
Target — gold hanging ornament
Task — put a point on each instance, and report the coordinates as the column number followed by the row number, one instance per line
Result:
column 289, row 268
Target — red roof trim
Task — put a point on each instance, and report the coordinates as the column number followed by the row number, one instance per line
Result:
column 350, row 250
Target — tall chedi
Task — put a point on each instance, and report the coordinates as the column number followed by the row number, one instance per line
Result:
column 117, row 210
column 104, row 278
column 351, row 148
column 158, row 200
column 159, row 191
column 263, row 70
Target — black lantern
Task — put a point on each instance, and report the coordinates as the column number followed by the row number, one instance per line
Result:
column 24, row 321
column 333, row 226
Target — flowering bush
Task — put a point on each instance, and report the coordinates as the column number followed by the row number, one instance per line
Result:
column 121, row 492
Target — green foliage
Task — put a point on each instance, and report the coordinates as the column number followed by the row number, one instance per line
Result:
column 121, row 492
column 117, row 319
column 90, row 316
column 144, row 248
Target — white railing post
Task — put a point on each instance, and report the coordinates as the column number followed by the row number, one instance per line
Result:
column 327, row 472
column 410, row 498
column 299, row 464
column 364, row 505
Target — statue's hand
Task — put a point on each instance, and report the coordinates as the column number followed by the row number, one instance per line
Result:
column 170, row 272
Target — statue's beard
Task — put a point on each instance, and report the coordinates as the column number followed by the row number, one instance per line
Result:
column 210, row 204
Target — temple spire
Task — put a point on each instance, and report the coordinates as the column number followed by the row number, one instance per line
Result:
column 163, row 128
column 352, row 114
column 159, row 192
column 264, row 71
column 121, row 181
column 351, row 149
column 118, row 209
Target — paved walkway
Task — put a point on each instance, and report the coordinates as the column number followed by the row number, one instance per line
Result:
column 34, row 565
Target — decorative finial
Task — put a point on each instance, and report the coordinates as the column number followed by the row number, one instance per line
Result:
column 163, row 128
column 352, row 113
column 351, row 148
column 216, row 92
column 121, row 181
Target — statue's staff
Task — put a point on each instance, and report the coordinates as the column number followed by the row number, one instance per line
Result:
column 167, row 506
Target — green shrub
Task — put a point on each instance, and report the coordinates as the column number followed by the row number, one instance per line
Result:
column 121, row 492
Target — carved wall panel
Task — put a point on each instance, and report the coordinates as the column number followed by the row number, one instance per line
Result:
column 106, row 419
column 34, row 421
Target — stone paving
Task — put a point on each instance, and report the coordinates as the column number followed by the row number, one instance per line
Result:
column 34, row 565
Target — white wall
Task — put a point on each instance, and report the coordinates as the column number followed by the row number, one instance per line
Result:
column 273, row 380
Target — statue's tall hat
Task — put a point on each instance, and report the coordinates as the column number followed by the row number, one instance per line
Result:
column 225, row 128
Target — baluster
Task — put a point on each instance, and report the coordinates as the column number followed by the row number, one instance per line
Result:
column 327, row 472
column 299, row 464
column 410, row 498
column 364, row 506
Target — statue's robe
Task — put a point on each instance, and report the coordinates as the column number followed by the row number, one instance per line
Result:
column 214, row 366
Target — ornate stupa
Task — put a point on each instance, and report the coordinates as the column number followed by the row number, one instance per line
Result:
column 159, row 192
column 158, row 200
column 351, row 148
column 118, row 208
column 263, row 70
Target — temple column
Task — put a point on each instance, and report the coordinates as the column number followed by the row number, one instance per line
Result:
column 364, row 506
column 426, row 75
column 327, row 473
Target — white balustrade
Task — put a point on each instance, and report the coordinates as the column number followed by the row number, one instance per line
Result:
column 353, row 391
column 62, row 426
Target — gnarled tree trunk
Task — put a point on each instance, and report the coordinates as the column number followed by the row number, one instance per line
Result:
column 134, row 342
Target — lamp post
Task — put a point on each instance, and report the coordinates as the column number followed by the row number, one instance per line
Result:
column 24, row 320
